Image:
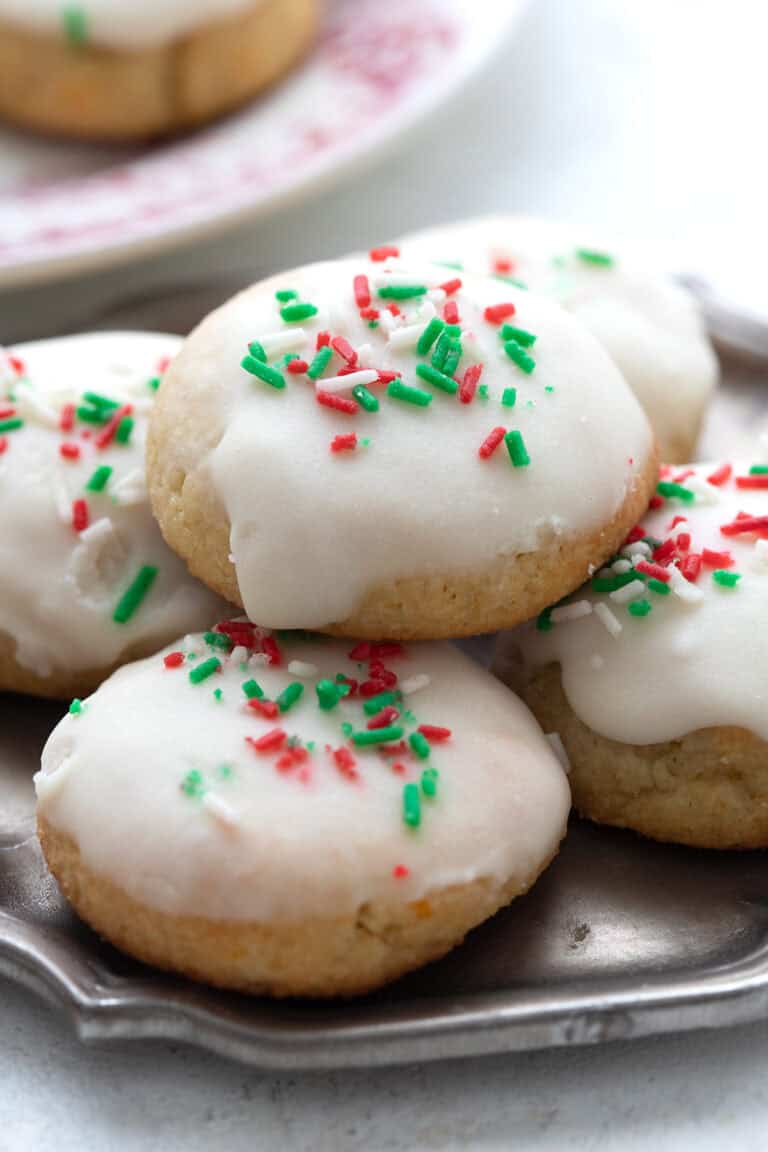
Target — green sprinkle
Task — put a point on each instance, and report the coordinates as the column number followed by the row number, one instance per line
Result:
column 508, row 397
column 286, row 294
column 11, row 424
column 75, row 707
column 257, row 351
column 592, row 256
column 75, row 25
column 375, row 704
column 544, row 621
column 435, row 378
column 320, row 362
column 511, row 280
column 388, row 735
column 290, row 695
column 429, row 778
column 99, row 479
column 411, row 805
column 153, row 383
column 451, row 362
column 482, row 392
column 442, row 348
column 365, row 398
column 347, row 729
column 639, row 607
column 204, row 670
column 419, row 744
column 455, row 264
column 617, row 580
column 366, row 440
column 292, row 313
column 659, row 587
column 518, row 354
column 518, row 453
column 399, row 391
column 124, row 430
column 263, row 371
column 328, row 694
column 402, row 291
column 134, row 594
column 217, row 640
column 253, row 690
column 193, row 784
column 225, row 771
column 373, row 323
column 429, row 335
column 759, row 470
column 726, row 579
column 669, row 489
column 218, row 694
column 98, row 401
column 520, row 335
column 92, row 415
column 549, row 387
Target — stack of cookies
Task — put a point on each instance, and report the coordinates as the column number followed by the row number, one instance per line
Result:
column 316, row 791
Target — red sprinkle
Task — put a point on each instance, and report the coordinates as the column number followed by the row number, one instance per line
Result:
column 3, row 444
column 291, row 757
column 745, row 524
column 386, row 649
column 393, row 308
column 338, row 403
column 369, row 313
column 174, row 660
column 346, row 763
column 162, row 364
column 17, row 364
column 469, row 383
column 107, row 433
column 398, row 768
column 678, row 520
column 496, row 313
column 664, row 552
column 387, row 716
column 720, row 475
column 434, row 733
column 69, row 451
column 7, row 410
column 344, row 443
column 451, row 312
column 362, row 291
column 67, row 418
column 270, row 741
column 503, row 266
column 79, row 515
column 683, row 476
column 386, row 377
column 752, row 481
column 655, row 570
column 684, row 541
column 323, row 340
column 655, row 502
column 451, row 286
column 635, row 534
column 350, row 683
column 266, row 708
column 491, row 443
column 383, row 253
column 297, row 367
column 360, row 651
column 691, row 567
column 271, row 651
column 400, row 871
column 716, row 559
column 344, row 349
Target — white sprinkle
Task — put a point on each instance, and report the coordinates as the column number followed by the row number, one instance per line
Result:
column 32, row 407
column 405, row 280
column 347, row 383
column 286, row 340
column 414, row 684
column 558, row 748
column 389, row 322
column 365, row 355
column 683, row 588
column 607, row 619
column 590, row 569
column 426, row 312
column 705, row 492
column 639, row 548
column 239, row 654
column 221, row 812
column 621, row 566
column 131, row 488
column 258, row 660
column 437, row 295
column 302, row 669
column 596, row 661
column 568, row 612
column 406, row 339
column 629, row 592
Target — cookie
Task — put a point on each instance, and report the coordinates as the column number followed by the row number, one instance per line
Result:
column 86, row 581
column 654, row 675
column 383, row 451
column 651, row 327
column 113, row 71
column 293, row 816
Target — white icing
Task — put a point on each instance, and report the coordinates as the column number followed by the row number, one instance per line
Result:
column 283, row 845
column 313, row 531
column 118, row 24
column 697, row 661
column 58, row 587
column 650, row 326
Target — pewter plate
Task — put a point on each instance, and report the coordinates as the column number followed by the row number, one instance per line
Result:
column 620, row 937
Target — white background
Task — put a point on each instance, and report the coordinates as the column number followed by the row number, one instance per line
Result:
column 647, row 117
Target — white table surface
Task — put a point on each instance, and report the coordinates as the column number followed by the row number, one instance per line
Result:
column 646, row 117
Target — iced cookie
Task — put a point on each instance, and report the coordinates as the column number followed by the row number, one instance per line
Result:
column 650, row 326
column 389, row 451
column 295, row 816
column 107, row 69
column 86, row 581
column 655, row 674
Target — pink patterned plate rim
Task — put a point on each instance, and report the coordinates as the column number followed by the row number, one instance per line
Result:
column 66, row 208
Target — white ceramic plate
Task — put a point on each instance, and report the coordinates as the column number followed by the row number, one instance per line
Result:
column 66, row 208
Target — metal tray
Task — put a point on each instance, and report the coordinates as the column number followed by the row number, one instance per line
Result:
column 621, row 937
